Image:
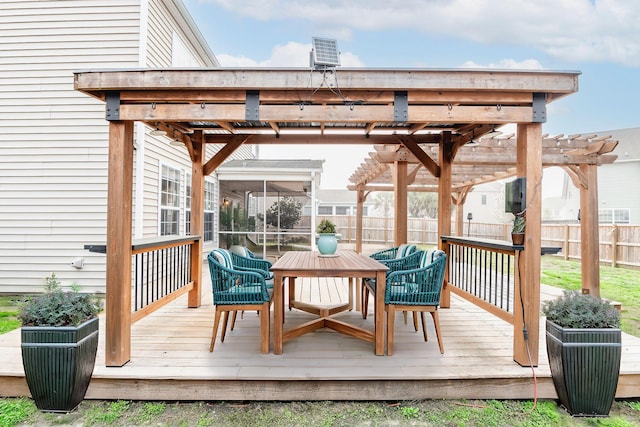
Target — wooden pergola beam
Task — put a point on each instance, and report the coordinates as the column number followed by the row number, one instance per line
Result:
column 222, row 154
column 319, row 113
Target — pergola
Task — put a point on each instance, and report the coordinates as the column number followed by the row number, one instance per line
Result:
column 420, row 121
column 490, row 158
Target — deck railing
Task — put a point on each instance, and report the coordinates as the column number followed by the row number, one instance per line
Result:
column 483, row 272
column 161, row 271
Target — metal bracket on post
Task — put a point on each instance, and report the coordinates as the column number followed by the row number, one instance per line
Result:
column 400, row 106
column 539, row 108
column 113, row 105
column 252, row 106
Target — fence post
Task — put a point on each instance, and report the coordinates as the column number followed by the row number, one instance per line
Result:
column 386, row 229
column 566, row 242
column 614, row 246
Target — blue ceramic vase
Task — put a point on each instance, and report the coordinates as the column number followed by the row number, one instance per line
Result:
column 327, row 244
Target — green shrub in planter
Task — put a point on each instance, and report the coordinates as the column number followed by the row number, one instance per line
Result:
column 59, row 345
column 584, row 346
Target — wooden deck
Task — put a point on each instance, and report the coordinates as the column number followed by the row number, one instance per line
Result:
column 170, row 359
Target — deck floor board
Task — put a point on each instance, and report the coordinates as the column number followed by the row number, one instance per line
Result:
column 170, row 358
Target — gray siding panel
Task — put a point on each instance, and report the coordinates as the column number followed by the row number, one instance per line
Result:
column 54, row 140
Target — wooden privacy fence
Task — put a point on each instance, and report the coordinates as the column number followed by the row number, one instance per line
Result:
column 619, row 244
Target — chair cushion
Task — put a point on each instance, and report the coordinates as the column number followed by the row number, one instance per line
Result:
column 371, row 284
column 429, row 256
column 404, row 288
column 239, row 250
column 223, row 257
column 404, row 250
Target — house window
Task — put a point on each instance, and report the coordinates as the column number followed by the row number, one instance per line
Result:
column 614, row 216
column 484, row 199
column 209, row 210
column 342, row 210
column 325, row 210
column 621, row 216
column 187, row 205
column 169, row 201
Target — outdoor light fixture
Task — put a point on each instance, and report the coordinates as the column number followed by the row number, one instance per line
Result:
column 176, row 143
column 493, row 133
column 225, row 202
column 157, row 132
column 472, row 142
column 469, row 217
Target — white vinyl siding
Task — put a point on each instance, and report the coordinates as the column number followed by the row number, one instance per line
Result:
column 54, row 140
column 614, row 196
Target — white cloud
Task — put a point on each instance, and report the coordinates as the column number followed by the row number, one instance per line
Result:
column 576, row 30
column 291, row 54
column 508, row 64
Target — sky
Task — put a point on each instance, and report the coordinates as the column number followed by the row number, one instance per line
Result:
column 599, row 38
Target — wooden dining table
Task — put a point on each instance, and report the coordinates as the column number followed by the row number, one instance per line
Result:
column 312, row 264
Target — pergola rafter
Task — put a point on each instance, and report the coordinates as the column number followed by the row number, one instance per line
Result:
column 488, row 159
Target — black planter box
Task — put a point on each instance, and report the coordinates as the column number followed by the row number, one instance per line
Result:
column 58, row 363
column 585, row 365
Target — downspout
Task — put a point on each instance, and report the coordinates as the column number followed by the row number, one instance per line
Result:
column 264, row 216
column 314, row 210
column 140, row 129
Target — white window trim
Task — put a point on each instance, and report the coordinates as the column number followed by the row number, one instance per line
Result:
column 180, row 170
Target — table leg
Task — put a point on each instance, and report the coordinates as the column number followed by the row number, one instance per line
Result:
column 278, row 311
column 292, row 290
column 350, row 293
column 381, row 283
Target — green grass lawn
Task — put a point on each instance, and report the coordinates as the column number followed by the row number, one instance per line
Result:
column 617, row 284
column 8, row 313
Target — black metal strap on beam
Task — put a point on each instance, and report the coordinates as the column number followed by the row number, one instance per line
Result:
column 401, row 106
column 539, row 107
column 252, row 106
column 113, row 105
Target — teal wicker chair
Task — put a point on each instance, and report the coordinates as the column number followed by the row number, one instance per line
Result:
column 416, row 290
column 243, row 259
column 249, row 263
column 393, row 253
column 383, row 256
column 235, row 289
column 407, row 262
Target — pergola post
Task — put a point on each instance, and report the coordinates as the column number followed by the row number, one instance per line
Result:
column 526, row 306
column 400, row 192
column 445, row 159
column 589, row 231
column 119, row 217
column 360, row 195
column 458, row 200
column 197, row 217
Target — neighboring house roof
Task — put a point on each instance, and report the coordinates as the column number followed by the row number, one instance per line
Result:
column 336, row 197
column 189, row 27
column 282, row 176
column 275, row 165
column 628, row 142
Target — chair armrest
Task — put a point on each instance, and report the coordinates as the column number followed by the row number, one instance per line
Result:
column 384, row 254
column 406, row 263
